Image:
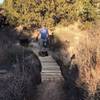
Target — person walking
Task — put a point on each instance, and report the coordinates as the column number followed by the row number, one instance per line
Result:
column 43, row 41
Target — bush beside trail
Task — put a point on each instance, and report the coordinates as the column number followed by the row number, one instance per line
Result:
column 78, row 54
column 20, row 68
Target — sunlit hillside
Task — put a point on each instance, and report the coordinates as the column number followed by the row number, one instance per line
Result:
column 85, row 44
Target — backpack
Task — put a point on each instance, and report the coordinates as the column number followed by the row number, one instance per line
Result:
column 44, row 34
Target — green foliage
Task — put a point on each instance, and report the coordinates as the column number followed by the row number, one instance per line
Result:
column 87, row 11
column 25, row 12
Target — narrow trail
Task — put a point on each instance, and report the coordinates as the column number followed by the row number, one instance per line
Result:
column 50, row 69
column 51, row 90
column 52, row 86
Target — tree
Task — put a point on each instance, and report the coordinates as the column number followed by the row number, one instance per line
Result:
column 87, row 11
column 25, row 12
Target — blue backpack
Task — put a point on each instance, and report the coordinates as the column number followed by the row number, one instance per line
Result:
column 44, row 33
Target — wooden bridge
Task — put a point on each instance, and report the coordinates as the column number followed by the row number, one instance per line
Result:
column 52, row 87
column 50, row 69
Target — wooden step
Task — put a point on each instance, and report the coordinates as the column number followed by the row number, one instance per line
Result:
column 50, row 69
column 51, row 76
column 3, row 71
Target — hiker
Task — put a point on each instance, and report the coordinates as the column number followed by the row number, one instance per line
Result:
column 43, row 41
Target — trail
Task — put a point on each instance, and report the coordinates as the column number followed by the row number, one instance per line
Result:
column 52, row 87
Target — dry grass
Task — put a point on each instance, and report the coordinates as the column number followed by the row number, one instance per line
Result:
column 23, row 68
column 85, row 44
column 24, row 77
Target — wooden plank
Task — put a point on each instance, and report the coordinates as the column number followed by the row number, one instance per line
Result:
column 50, row 69
column 3, row 71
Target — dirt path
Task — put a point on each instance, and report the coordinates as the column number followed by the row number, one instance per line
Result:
column 51, row 90
column 52, row 87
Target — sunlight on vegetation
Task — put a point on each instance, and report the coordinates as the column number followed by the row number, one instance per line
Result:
column 75, row 42
column 50, row 12
column 1, row 2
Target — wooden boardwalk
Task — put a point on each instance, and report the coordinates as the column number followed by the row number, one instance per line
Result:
column 52, row 86
column 50, row 69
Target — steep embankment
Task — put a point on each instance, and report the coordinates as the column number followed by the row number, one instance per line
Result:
column 80, row 54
